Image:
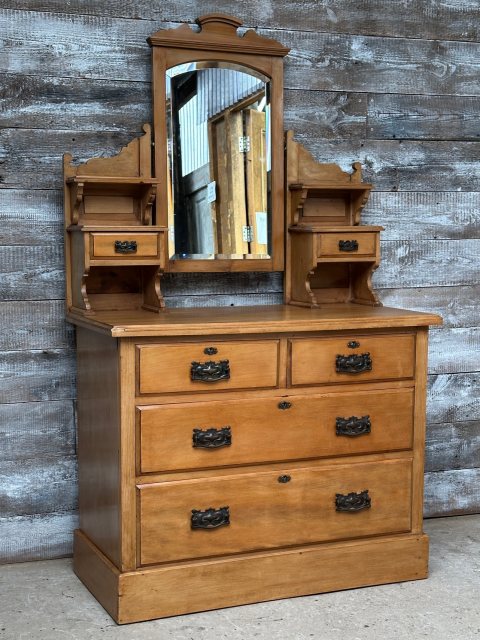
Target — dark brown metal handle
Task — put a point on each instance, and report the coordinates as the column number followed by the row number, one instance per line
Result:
column 284, row 405
column 352, row 502
column 284, row 479
column 210, row 518
column 353, row 344
column 210, row 371
column 212, row 438
column 125, row 246
column 348, row 245
column 354, row 363
column 353, row 426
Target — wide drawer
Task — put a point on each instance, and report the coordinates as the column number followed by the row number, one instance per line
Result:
column 208, row 366
column 125, row 246
column 346, row 244
column 215, row 516
column 235, row 432
column 356, row 358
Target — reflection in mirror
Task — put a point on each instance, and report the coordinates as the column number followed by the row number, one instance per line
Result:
column 219, row 162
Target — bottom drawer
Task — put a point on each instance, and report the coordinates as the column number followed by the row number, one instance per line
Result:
column 299, row 505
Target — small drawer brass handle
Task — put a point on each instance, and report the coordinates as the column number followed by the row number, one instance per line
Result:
column 210, row 351
column 284, row 479
column 353, row 426
column 348, row 245
column 210, row 371
column 125, row 246
column 354, row 363
column 284, row 405
column 352, row 502
column 212, row 438
column 210, row 518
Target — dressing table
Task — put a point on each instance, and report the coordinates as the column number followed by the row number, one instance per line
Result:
column 241, row 454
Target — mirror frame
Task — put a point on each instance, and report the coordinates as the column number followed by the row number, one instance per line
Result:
column 218, row 41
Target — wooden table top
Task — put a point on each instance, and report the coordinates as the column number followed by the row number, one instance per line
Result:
column 242, row 320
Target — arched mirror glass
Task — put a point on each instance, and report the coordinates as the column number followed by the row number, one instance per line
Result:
column 219, row 162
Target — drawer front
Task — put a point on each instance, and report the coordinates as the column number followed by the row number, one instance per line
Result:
column 352, row 359
column 215, row 434
column 207, row 366
column 215, row 516
column 346, row 244
column 125, row 245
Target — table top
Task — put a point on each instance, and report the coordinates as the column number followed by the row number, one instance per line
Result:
column 254, row 320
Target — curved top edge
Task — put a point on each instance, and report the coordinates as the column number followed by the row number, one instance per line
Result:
column 218, row 32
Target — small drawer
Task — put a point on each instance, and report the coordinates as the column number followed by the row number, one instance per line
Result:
column 171, row 368
column 348, row 244
column 125, row 246
column 352, row 358
column 198, row 435
column 263, row 510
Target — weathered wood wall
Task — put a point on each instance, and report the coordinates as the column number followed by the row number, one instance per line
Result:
column 394, row 87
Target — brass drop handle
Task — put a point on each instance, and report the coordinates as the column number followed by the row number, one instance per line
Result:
column 284, row 479
column 210, row 351
column 284, row 405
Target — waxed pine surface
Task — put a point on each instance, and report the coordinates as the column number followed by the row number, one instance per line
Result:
column 396, row 90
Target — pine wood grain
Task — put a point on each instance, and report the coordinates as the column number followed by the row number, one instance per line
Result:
column 452, row 492
column 36, row 429
column 420, row 117
column 421, row 215
column 20, row 486
column 44, row 375
column 329, row 567
column 88, row 88
column 452, row 20
column 454, row 397
column 37, row 537
column 32, row 272
column 36, row 324
column 394, row 165
column 305, row 429
column 351, row 62
column 265, row 513
column 453, row 446
column 30, row 217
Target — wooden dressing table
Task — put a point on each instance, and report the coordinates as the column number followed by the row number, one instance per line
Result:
column 234, row 455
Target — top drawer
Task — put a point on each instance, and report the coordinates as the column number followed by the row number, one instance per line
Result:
column 172, row 368
column 125, row 246
column 353, row 358
column 346, row 244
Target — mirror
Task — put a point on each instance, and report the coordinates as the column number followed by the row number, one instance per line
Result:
column 219, row 162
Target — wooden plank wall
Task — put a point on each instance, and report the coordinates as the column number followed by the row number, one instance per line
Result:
column 396, row 88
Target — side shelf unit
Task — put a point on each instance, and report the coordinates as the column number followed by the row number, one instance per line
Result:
column 330, row 257
column 116, row 254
